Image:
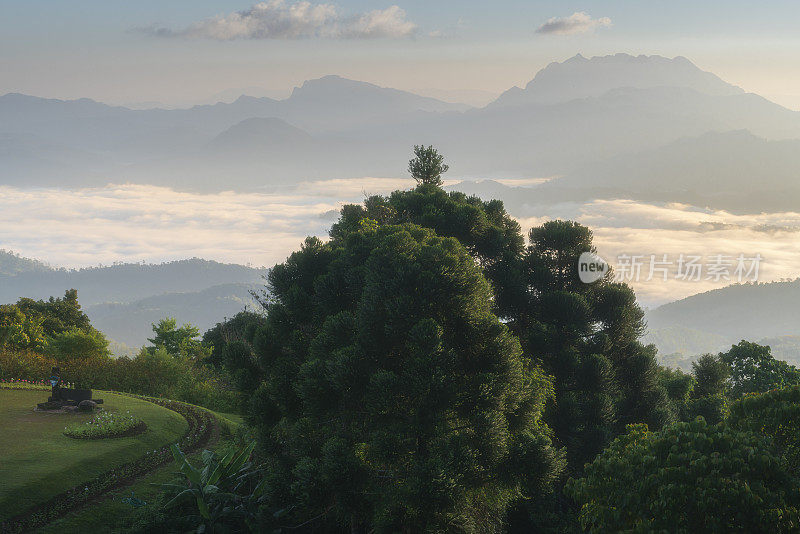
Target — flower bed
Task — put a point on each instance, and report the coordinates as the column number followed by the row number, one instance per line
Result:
column 201, row 426
column 16, row 383
column 106, row 425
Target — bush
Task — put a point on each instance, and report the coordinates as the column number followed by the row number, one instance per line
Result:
column 25, row 365
column 223, row 495
column 151, row 372
column 689, row 477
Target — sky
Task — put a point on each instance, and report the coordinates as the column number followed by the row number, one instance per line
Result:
column 187, row 51
column 182, row 52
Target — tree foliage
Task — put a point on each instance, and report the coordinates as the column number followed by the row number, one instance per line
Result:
column 427, row 166
column 388, row 394
column 754, row 370
column 57, row 314
column 775, row 414
column 690, row 477
column 485, row 229
column 76, row 343
column 57, row 325
column 178, row 341
column 586, row 336
column 19, row 331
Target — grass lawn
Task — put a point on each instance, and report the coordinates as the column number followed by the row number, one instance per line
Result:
column 38, row 462
column 110, row 515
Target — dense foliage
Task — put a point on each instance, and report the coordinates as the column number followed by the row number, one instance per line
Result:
column 484, row 228
column 56, row 326
column 36, row 336
column 775, row 414
column 387, row 394
column 586, row 336
column 690, row 477
column 753, row 369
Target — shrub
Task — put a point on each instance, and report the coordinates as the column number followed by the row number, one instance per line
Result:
column 223, row 495
column 24, row 365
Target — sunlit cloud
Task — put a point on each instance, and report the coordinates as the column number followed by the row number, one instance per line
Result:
column 578, row 22
column 628, row 228
column 133, row 223
column 278, row 19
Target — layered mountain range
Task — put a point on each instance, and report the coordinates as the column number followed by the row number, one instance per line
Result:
column 638, row 126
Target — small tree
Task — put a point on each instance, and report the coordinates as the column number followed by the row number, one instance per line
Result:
column 755, row 370
column 75, row 343
column 178, row 341
column 427, row 166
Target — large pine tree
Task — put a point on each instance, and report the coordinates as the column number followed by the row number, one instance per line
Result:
column 386, row 393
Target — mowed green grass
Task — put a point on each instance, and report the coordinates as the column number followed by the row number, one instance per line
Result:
column 38, row 462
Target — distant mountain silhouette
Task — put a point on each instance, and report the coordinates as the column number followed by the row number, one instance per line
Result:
column 743, row 311
column 766, row 313
column 573, row 118
column 12, row 264
column 735, row 171
column 579, row 77
column 131, row 323
column 259, row 134
column 126, row 282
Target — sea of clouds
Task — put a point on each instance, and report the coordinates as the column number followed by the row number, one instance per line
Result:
column 132, row 223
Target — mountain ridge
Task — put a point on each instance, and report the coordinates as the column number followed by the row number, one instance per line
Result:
column 570, row 79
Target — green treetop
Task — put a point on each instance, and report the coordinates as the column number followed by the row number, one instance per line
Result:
column 387, row 394
column 427, row 166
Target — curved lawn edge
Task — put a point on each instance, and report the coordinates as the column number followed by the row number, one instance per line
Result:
column 203, row 424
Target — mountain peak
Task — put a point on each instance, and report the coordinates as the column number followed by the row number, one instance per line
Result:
column 579, row 77
column 259, row 133
column 331, row 83
column 333, row 91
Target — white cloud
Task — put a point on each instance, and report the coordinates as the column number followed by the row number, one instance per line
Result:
column 138, row 222
column 277, row 19
column 578, row 22
column 626, row 227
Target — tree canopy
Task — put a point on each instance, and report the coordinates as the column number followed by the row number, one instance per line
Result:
column 427, row 166
column 586, row 337
column 690, row 477
column 753, row 369
column 484, row 228
column 388, row 394
column 178, row 340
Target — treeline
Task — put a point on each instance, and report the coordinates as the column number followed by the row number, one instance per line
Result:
column 36, row 336
column 425, row 370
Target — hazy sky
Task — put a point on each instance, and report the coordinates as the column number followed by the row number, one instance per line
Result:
column 181, row 52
